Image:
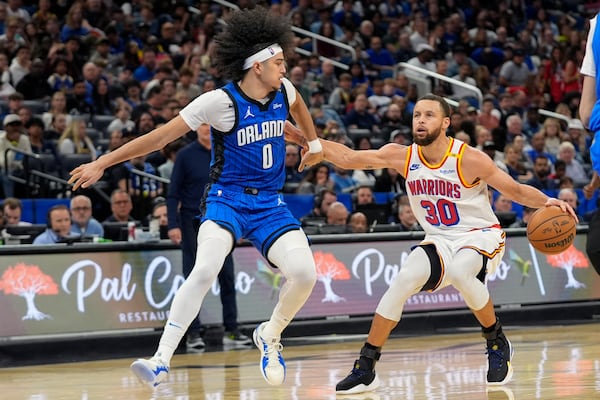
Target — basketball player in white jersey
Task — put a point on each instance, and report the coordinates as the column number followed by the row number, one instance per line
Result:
column 446, row 181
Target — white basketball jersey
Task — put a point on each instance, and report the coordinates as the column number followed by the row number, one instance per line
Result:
column 441, row 199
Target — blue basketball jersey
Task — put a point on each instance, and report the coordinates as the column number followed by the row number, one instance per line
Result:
column 252, row 153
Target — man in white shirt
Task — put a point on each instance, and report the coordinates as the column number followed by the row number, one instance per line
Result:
column 12, row 137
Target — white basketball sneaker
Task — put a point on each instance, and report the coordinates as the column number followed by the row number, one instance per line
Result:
column 272, row 365
column 151, row 372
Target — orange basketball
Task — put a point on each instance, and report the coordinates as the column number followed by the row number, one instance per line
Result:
column 551, row 230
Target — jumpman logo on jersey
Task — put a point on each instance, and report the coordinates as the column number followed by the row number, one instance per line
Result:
column 279, row 201
column 248, row 113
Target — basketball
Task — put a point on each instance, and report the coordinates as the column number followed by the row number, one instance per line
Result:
column 551, row 230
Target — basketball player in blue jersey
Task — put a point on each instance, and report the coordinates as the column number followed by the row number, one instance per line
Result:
column 589, row 111
column 247, row 118
column 446, row 182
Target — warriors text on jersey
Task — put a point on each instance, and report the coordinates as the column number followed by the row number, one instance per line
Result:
column 440, row 197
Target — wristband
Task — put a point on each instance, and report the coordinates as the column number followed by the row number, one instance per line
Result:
column 315, row 146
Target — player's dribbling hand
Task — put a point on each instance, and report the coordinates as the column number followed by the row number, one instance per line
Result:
column 85, row 175
column 563, row 206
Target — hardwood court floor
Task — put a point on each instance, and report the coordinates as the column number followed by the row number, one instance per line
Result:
column 558, row 362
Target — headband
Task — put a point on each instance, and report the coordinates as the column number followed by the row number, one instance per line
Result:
column 262, row 55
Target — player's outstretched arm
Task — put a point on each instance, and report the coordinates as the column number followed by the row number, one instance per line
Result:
column 87, row 174
column 478, row 165
column 389, row 156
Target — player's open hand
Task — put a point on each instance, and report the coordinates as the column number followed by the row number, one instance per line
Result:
column 85, row 175
column 563, row 205
column 309, row 159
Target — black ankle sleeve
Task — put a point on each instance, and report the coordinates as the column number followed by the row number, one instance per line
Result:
column 492, row 332
column 370, row 351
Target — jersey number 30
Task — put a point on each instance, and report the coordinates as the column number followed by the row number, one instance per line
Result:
column 442, row 212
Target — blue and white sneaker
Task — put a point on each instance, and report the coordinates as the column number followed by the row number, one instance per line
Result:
column 272, row 365
column 151, row 372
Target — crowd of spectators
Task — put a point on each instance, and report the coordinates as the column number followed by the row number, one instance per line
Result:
column 80, row 78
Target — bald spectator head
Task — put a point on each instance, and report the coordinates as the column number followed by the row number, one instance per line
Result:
column 358, row 223
column 337, row 214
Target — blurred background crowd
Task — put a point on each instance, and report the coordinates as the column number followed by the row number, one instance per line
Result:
column 80, row 78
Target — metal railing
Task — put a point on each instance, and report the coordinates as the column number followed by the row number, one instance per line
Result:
column 414, row 68
column 315, row 37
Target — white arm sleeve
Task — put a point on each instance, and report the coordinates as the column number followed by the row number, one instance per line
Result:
column 588, row 66
column 214, row 108
column 290, row 90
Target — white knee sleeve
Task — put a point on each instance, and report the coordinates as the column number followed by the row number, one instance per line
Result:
column 462, row 274
column 292, row 255
column 413, row 274
column 214, row 243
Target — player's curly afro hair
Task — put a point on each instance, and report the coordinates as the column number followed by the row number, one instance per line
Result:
column 247, row 32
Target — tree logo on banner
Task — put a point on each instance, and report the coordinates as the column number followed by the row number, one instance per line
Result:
column 568, row 260
column 28, row 281
column 330, row 269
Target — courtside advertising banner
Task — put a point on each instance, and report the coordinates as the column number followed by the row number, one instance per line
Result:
column 92, row 291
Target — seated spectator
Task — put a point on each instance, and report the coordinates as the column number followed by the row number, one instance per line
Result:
column 488, row 116
column 524, row 220
column 552, row 136
column 6, row 87
column 503, row 208
column 538, row 142
column 364, row 177
column 513, row 166
column 337, row 214
column 59, row 226
column 570, row 196
column 35, row 131
column 115, row 140
column 390, row 181
column 406, row 219
column 361, row 116
column 358, row 223
column 322, row 202
column 59, row 80
column 12, row 209
column 343, row 182
column 541, row 172
column 574, row 169
column 158, row 221
column 316, row 179
column 82, row 221
column 363, row 196
column 74, row 140
column 12, row 161
column 581, row 141
column 58, row 105
column 34, row 85
column 58, row 125
column 401, row 136
column 102, row 102
column 121, row 206
column 340, row 98
column 391, row 121
column 123, row 118
column 159, row 211
column 78, row 101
